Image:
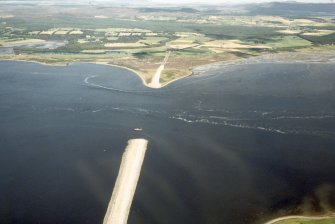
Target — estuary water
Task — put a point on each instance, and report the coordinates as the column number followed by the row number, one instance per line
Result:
column 238, row 144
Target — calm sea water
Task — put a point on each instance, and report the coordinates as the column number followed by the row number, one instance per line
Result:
column 240, row 144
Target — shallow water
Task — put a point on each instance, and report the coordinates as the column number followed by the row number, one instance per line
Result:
column 6, row 50
column 236, row 145
column 51, row 44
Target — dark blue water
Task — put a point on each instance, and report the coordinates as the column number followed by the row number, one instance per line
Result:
column 240, row 144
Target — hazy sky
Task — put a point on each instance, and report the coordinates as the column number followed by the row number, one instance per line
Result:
column 169, row 1
column 180, row 1
column 229, row 1
column 207, row 1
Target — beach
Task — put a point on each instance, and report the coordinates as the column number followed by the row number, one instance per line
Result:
column 125, row 186
column 301, row 218
column 155, row 81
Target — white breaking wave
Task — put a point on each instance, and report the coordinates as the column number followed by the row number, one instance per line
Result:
column 95, row 111
column 229, row 118
column 303, row 117
column 182, row 119
column 207, row 121
column 86, row 80
column 225, row 121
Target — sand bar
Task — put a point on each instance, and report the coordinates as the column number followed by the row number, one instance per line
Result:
column 125, row 185
column 155, row 83
column 299, row 217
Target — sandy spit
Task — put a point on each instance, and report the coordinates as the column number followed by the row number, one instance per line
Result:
column 155, row 81
column 277, row 220
column 126, row 182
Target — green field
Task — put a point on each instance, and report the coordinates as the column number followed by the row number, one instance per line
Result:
column 288, row 42
column 139, row 40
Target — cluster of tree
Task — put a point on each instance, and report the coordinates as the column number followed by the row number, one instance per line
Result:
column 326, row 39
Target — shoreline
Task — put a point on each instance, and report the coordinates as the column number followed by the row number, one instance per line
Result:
column 119, row 66
column 93, row 62
column 305, row 218
column 126, row 182
column 266, row 58
column 270, row 58
column 107, row 64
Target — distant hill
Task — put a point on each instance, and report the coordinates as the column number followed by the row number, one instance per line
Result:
column 291, row 8
column 167, row 9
